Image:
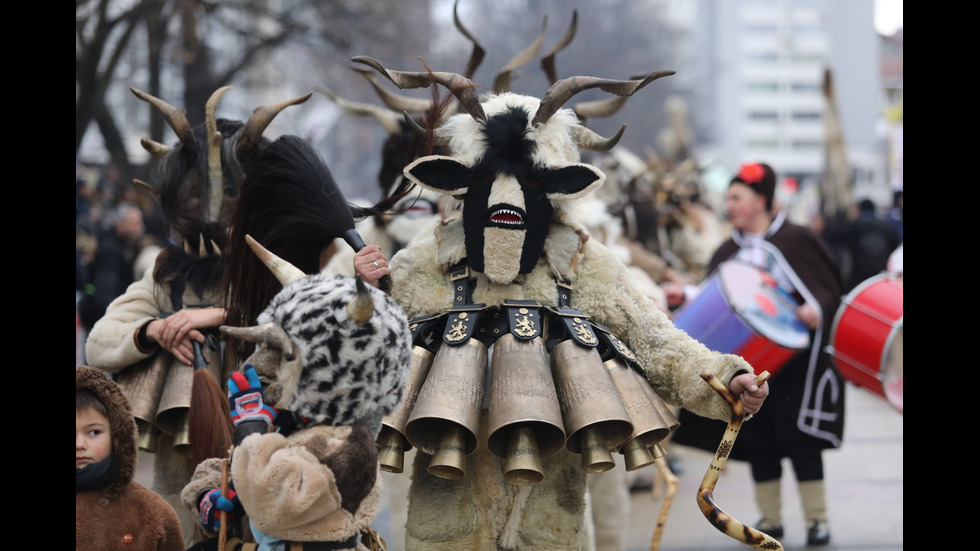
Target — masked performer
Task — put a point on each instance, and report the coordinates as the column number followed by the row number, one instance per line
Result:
column 479, row 290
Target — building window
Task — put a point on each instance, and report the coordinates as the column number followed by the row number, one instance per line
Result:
column 806, row 116
column 763, row 116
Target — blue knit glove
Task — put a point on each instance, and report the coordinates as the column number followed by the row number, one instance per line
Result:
column 249, row 412
column 212, row 503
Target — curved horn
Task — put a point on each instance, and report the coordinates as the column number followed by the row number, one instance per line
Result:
column 267, row 333
column 718, row 518
column 389, row 120
column 463, row 88
column 285, row 272
column 216, row 186
column 564, row 89
column 148, row 188
column 422, row 134
column 548, row 61
column 599, row 108
column 175, row 117
column 502, row 82
column 476, row 56
column 259, row 121
column 591, row 141
column 361, row 307
column 393, row 101
column 156, row 149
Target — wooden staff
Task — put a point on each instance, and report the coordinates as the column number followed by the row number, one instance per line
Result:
column 718, row 518
column 671, row 481
column 223, row 515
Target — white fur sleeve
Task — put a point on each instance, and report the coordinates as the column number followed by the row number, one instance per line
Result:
column 110, row 345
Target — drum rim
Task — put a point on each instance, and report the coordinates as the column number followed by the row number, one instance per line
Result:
column 745, row 321
column 895, row 327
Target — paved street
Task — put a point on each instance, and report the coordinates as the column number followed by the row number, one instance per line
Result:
column 865, row 491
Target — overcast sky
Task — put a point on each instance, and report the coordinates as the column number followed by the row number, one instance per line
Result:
column 888, row 16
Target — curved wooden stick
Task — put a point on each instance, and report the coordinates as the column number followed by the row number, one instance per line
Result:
column 671, row 482
column 718, row 518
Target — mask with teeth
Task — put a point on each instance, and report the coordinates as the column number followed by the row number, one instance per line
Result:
column 507, row 193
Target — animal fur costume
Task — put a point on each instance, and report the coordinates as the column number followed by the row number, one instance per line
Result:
column 338, row 374
column 120, row 513
column 518, row 236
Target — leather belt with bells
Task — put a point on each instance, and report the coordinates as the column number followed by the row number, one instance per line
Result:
column 463, row 317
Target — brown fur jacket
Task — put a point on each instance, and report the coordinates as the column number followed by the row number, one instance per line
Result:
column 122, row 514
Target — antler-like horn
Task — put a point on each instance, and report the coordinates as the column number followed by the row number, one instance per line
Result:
column 156, row 149
column 359, row 309
column 591, row 141
column 148, row 188
column 175, row 117
column 502, row 82
column 718, row 518
column 259, row 121
column 216, row 186
column 389, row 119
column 463, row 88
column 268, row 333
column 476, row 56
column 548, row 61
column 422, row 134
column 395, row 102
column 285, row 272
column 564, row 89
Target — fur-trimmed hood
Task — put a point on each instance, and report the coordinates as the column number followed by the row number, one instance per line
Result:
column 122, row 425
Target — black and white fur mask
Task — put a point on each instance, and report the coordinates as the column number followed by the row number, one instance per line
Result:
column 331, row 349
column 510, row 177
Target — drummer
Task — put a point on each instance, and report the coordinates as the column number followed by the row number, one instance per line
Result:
column 806, row 415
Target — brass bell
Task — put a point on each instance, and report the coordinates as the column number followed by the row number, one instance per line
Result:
column 148, row 436
column 392, row 443
column 524, row 414
column 449, row 461
column 142, row 384
column 447, row 408
column 522, row 465
column 594, row 416
column 648, row 425
column 182, row 439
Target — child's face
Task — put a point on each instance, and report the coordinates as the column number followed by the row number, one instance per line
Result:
column 93, row 442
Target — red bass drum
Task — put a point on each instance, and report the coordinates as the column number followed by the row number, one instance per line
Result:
column 867, row 340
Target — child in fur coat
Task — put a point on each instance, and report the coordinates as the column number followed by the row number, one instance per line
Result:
column 112, row 511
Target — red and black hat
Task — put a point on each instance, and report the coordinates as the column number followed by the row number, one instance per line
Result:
column 760, row 177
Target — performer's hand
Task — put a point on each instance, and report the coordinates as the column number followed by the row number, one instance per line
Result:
column 211, row 505
column 674, row 292
column 176, row 332
column 751, row 394
column 808, row 315
column 245, row 398
column 370, row 264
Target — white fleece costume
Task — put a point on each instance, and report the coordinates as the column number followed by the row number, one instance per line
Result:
column 515, row 167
